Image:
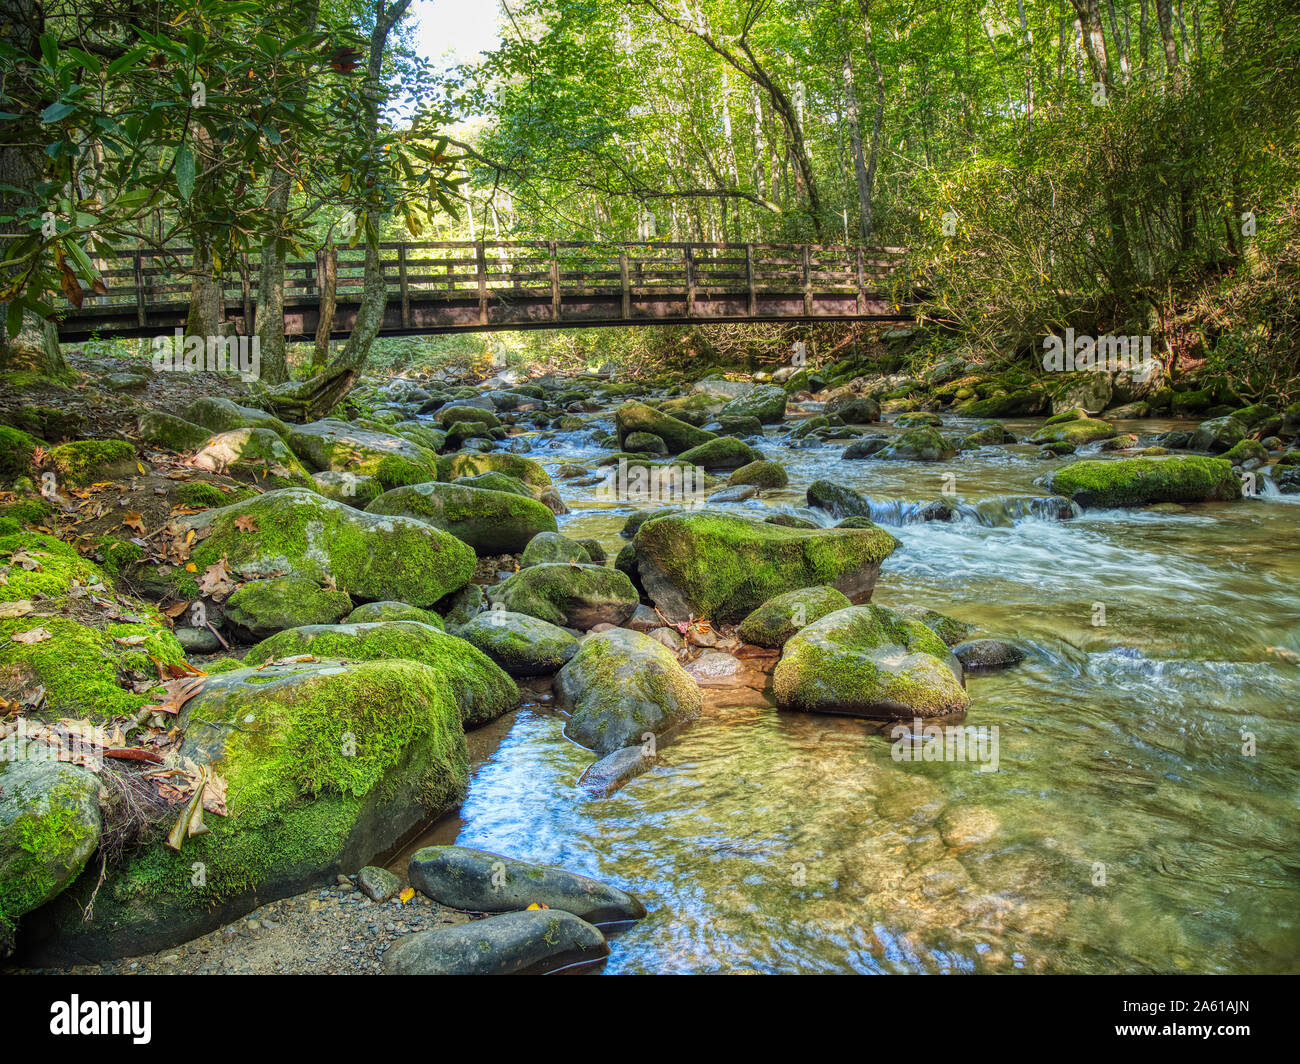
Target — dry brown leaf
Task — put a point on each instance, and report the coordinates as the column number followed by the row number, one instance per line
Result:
column 246, row 523
column 130, row 640
column 134, row 521
column 35, row 635
column 20, row 608
column 178, row 692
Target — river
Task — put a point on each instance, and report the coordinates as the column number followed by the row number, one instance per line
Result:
column 1143, row 815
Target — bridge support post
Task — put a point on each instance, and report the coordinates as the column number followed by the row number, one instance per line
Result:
column 139, row 291
column 751, row 306
column 627, row 285
column 807, row 282
column 862, row 286
column 553, row 249
column 481, row 254
column 406, row 290
column 688, row 255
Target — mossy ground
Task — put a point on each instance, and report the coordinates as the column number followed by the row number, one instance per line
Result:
column 84, row 462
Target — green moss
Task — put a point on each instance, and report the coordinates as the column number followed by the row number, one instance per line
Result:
column 395, row 472
column 85, row 462
column 29, row 511
column 41, row 845
column 467, row 465
column 117, row 553
column 482, row 690
column 761, row 474
column 778, row 619
column 16, row 449
column 1141, row 481
column 1078, row 431
column 207, row 495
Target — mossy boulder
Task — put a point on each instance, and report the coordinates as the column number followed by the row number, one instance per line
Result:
column 620, row 685
column 574, row 596
column 221, row 415
column 392, row 611
column 645, row 443
column 723, row 567
column 677, row 435
column 255, row 456
column 918, row 419
column 1021, row 403
column 723, row 453
column 988, row 432
column 16, row 451
column 84, row 462
column 838, row 499
column 295, row 531
column 694, row 409
column 779, row 618
column 449, row 415
column 496, row 482
column 1217, row 435
column 1142, row 481
column 1249, row 454
column 1075, row 430
column 923, row 444
column 465, row 464
column 481, row 690
column 765, row 402
column 262, row 607
column 761, row 474
column 853, row 409
column 949, row 629
column 553, row 547
column 172, row 433
column 520, row 644
column 491, row 522
column 351, row 489
column 328, row 765
column 392, row 459
column 869, row 661
column 89, row 664
column 49, row 827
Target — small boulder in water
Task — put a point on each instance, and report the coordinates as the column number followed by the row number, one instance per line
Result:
column 988, row 654
column 499, row 945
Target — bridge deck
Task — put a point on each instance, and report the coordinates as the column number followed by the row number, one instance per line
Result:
column 448, row 286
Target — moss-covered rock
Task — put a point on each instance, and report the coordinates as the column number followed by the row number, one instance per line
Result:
column 370, row 556
column 1217, row 435
column 464, row 464
column 392, row 611
column 1249, row 454
column 677, row 435
column 949, row 629
column 221, row 415
column 1075, row 430
column 869, row 661
column 645, row 443
column 620, row 685
column 520, row 644
column 853, row 409
column 553, row 547
column 492, row 522
column 779, row 618
column 392, row 459
column 575, row 596
column 16, row 451
column 914, row 445
column 351, row 489
column 761, row 474
column 263, row 607
column 1142, row 481
column 86, row 666
column 723, row 453
column 255, row 456
column 327, row 765
column 172, row 433
column 989, row 432
column 49, row 827
column 723, row 567
column 497, row 482
column 83, row 462
column 918, row 419
column 765, row 402
column 481, row 690
column 450, row 415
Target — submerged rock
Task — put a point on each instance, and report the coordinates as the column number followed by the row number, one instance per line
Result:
column 500, row 945
column 869, row 661
column 988, row 654
column 485, row 882
column 615, row 770
column 723, row 567
column 619, row 686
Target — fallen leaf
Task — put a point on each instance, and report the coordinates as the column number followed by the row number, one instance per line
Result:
column 133, row 521
column 130, row 640
column 21, row 608
column 407, row 895
column 26, row 561
column 35, row 635
column 216, row 580
column 178, row 692
column 190, row 567
column 175, row 611
column 246, row 523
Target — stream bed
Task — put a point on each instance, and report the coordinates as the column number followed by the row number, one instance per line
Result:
column 1143, row 812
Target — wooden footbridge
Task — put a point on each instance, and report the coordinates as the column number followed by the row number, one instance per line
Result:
column 446, row 287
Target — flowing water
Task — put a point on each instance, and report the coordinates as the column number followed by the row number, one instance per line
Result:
column 1143, row 814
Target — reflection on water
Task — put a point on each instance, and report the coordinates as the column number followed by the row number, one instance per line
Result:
column 1126, row 829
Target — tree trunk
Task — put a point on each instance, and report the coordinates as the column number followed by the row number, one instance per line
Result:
column 859, row 160
column 327, row 269
column 270, row 286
